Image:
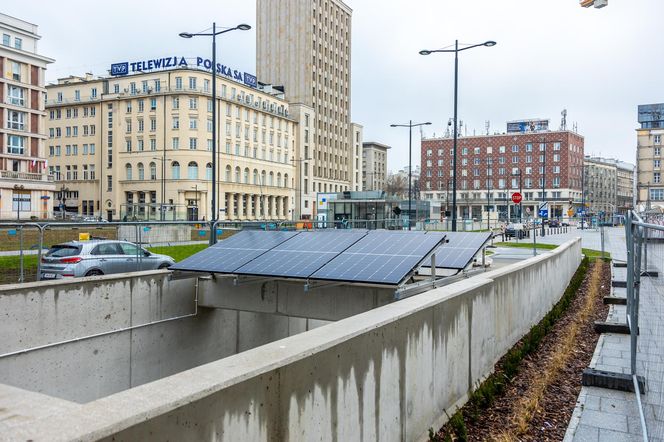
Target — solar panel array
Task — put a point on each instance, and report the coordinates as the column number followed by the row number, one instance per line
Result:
column 375, row 257
column 302, row 255
column 459, row 249
column 233, row 252
column 381, row 257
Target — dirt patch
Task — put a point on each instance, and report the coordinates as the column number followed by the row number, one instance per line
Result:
column 501, row 417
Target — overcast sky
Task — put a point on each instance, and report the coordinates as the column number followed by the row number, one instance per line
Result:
column 599, row 64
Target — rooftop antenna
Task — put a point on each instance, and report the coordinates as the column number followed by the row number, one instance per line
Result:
column 574, row 128
column 487, row 126
column 447, row 130
column 563, row 121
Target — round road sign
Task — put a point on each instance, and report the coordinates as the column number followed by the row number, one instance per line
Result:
column 516, row 198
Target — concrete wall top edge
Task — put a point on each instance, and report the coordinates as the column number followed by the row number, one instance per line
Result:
column 66, row 283
column 113, row 413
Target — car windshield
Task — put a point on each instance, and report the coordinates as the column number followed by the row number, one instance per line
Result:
column 63, row 250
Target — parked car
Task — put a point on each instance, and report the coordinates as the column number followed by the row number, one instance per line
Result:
column 515, row 230
column 554, row 223
column 98, row 257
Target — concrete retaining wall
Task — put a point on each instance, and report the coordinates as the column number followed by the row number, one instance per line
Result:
column 37, row 314
column 387, row 374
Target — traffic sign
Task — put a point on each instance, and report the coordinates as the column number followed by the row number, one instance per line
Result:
column 542, row 206
column 543, row 213
column 516, row 197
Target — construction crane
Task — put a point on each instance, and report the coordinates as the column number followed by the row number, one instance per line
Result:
column 596, row 3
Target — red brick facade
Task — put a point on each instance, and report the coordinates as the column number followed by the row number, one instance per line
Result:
column 496, row 157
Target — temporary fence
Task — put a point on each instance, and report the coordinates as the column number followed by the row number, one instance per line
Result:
column 645, row 259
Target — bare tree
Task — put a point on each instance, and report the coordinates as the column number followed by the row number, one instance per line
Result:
column 396, row 185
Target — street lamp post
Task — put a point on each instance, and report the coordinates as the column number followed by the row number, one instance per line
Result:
column 196, row 205
column 213, row 34
column 520, row 193
column 19, row 199
column 410, row 127
column 456, row 51
column 162, row 215
column 543, row 179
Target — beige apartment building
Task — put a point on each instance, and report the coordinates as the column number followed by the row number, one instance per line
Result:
column 649, row 185
column 26, row 189
column 139, row 146
column 374, row 165
column 306, row 47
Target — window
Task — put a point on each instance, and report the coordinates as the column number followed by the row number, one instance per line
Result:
column 193, row 103
column 175, row 170
column 176, row 122
column 77, row 95
column 193, row 123
column 515, row 159
column 515, row 148
column 6, row 39
column 153, row 171
column 178, row 83
column 15, row 144
column 153, row 103
column 128, row 171
column 556, row 145
column 657, row 177
column 21, row 200
column 157, row 85
column 175, row 143
column 656, row 164
column 16, row 120
column 658, row 151
column 141, row 171
column 153, row 144
column 228, row 174
column 141, row 146
column 556, row 169
column 192, row 82
column 556, row 157
column 529, row 147
column 16, row 96
column 153, row 124
column 141, row 105
column 208, row 171
column 109, row 183
column 193, row 143
column 657, row 139
column 556, row 181
column 176, row 103
column 16, row 75
column 18, row 43
column 464, row 151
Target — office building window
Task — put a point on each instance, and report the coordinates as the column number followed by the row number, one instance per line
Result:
column 192, row 170
column 175, row 143
column 6, row 39
column 193, row 143
column 18, row 43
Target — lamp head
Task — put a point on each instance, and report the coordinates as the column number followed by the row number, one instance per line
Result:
column 243, row 27
column 185, row 35
column 425, row 52
column 393, row 125
column 490, row 43
column 427, row 123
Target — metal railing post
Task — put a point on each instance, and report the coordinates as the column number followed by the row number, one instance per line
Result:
column 20, row 239
column 629, row 239
column 39, row 250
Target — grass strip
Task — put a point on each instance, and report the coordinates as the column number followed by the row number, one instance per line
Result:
column 495, row 384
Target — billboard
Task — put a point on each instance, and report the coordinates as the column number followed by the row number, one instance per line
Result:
column 522, row 126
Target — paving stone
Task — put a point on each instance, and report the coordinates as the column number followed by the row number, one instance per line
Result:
column 617, row 436
column 616, row 406
column 604, row 420
column 585, row 433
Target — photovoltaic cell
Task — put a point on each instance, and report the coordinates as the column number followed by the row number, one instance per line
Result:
column 459, row 249
column 228, row 255
column 381, row 257
column 303, row 254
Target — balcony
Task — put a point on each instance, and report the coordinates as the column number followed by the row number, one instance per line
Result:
column 27, row 176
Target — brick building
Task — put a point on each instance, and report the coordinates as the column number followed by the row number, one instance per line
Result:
column 489, row 168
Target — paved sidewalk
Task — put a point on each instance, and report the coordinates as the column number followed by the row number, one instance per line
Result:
column 609, row 415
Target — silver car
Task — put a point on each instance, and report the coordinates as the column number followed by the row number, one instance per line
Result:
column 98, row 257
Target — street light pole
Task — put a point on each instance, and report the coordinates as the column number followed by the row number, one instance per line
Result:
column 543, row 179
column 456, row 51
column 410, row 127
column 213, row 34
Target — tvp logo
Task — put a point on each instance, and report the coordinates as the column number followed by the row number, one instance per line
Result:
column 120, row 68
column 250, row 80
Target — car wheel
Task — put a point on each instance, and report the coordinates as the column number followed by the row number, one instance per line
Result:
column 94, row 272
column 164, row 266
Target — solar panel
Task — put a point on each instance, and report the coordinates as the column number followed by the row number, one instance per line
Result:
column 381, row 257
column 233, row 252
column 303, row 254
column 459, row 250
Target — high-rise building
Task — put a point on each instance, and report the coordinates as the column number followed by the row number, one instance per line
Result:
column 306, row 47
column 26, row 189
column 374, row 165
column 545, row 165
column 650, row 188
column 138, row 146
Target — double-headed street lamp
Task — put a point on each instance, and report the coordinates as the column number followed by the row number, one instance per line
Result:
column 213, row 34
column 410, row 127
column 456, row 51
